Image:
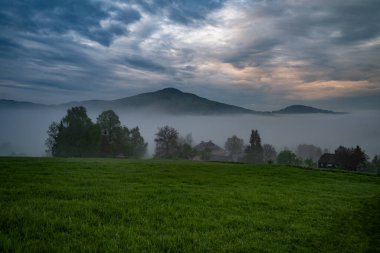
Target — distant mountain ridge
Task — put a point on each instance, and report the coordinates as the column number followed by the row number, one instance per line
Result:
column 6, row 103
column 168, row 101
column 301, row 109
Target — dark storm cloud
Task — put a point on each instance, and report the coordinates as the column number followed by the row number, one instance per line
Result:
column 182, row 11
column 61, row 16
column 310, row 29
column 8, row 47
column 38, row 52
column 352, row 20
column 52, row 63
column 145, row 64
column 127, row 16
column 259, row 53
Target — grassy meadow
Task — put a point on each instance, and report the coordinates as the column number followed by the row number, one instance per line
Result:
column 116, row 205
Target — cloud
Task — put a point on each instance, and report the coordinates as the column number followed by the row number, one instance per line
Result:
column 181, row 11
column 270, row 51
column 145, row 64
column 91, row 19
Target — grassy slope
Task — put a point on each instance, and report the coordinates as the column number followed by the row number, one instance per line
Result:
column 171, row 206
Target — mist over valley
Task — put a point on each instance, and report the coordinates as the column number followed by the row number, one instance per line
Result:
column 23, row 131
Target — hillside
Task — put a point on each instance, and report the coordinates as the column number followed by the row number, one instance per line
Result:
column 167, row 101
column 117, row 205
column 12, row 104
column 301, row 109
column 174, row 101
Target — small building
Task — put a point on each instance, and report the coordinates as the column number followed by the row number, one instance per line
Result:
column 216, row 153
column 328, row 161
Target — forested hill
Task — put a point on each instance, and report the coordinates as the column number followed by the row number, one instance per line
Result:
column 167, row 101
column 174, row 101
column 12, row 104
column 300, row 109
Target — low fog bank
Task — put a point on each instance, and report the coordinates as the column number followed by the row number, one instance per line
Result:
column 326, row 131
column 23, row 132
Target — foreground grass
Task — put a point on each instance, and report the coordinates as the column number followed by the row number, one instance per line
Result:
column 175, row 206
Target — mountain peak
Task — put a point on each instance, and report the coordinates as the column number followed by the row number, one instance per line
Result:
column 169, row 90
column 174, row 101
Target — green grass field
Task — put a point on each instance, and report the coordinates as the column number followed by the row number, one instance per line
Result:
column 110, row 205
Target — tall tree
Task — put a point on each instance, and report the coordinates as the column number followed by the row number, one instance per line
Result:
column 137, row 144
column 254, row 151
column 269, row 153
column 51, row 141
column 166, row 142
column 75, row 135
column 109, row 124
column 360, row 157
column 112, row 133
column 235, row 146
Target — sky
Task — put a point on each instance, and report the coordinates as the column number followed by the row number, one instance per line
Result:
column 259, row 54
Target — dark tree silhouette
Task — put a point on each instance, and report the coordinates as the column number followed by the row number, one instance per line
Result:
column 136, row 143
column 254, row 151
column 166, row 142
column 51, row 141
column 350, row 158
column 75, row 135
column 118, row 139
column 112, row 133
column 109, row 124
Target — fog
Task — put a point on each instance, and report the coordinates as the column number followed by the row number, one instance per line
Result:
column 24, row 131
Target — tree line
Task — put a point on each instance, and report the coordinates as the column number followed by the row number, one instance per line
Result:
column 169, row 145
column 77, row 136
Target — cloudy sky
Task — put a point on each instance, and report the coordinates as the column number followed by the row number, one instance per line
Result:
column 252, row 53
